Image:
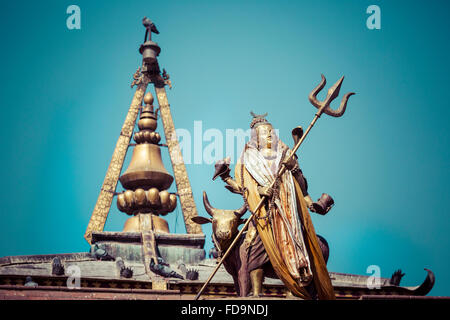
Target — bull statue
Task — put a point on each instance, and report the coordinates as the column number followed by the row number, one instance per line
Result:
column 247, row 263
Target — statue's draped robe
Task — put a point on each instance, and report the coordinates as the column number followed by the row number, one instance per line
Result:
column 290, row 239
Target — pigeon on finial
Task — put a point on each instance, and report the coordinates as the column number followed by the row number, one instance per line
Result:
column 150, row 27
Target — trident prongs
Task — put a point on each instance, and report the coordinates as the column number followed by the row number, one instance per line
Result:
column 333, row 92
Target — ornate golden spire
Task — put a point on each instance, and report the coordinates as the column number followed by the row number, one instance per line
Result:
column 107, row 191
column 146, row 178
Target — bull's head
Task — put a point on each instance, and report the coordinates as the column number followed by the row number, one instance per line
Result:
column 224, row 222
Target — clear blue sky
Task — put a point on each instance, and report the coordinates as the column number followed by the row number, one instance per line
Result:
column 65, row 94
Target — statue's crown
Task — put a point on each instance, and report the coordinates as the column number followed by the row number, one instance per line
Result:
column 258, row 119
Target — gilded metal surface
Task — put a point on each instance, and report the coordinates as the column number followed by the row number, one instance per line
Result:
column 144, row 201
column 148, row 242
column 333, row 92
column 187, row 203
column 101, row 209
column 257, row 279
column 160, row 285
column 159, row 224
column 146, row 169
column 146, row 179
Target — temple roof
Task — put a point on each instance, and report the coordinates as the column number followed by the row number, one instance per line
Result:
column 104, row 276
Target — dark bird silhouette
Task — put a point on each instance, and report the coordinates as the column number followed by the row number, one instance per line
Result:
column 150, row 27
column 30, row 283
column 57, row 267
column 163, row 269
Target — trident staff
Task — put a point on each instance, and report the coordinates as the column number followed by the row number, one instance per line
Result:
column 323, row 107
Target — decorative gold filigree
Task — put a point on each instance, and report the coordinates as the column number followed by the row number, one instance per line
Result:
column 184, row 190
column 103, row 205
column 138, row 78
column 166, row 78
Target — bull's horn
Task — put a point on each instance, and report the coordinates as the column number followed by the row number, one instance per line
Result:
column 241, row 211
column 210, row 209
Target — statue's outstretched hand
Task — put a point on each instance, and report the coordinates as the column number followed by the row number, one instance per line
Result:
column 222, row 169
column 322, row 205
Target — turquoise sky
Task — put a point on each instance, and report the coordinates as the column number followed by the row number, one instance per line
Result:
column 65, row 94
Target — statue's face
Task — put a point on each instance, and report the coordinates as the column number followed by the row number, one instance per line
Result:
column 266, row 136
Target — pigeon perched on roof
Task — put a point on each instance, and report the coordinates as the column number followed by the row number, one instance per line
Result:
column 163, row 269
column 57, row 267
column 100, row 254
column 161, row 261
column 30, row 283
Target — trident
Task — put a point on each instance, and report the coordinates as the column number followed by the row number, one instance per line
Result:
column 323, row 107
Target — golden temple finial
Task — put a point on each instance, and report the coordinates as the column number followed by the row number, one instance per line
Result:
column 148, row 99
column 146, row 180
